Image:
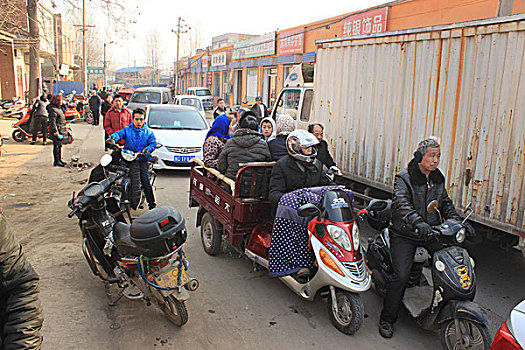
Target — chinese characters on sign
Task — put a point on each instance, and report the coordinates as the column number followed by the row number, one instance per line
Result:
column 209, row 78
column 369, row 22
column 262, row 45
column 95, row 70
column 218, row 59
column 290, row 43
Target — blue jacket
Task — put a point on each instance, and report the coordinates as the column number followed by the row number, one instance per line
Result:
column 136, row 139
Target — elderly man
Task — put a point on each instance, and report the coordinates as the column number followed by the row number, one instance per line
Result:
column 322, row 148
column 414, row 188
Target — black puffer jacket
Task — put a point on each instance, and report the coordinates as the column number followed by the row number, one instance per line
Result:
column 57, row 121
column 245, row 146
column 287, row 176
column 20, row 311
column 412, row 194
column 277, row 147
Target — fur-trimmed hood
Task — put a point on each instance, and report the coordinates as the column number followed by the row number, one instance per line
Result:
column 418, row 178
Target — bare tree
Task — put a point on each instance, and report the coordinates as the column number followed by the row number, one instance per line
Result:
column 154, row 54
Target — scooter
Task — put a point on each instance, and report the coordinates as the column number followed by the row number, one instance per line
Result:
column 13, row 108
column 144, row 259
column 22, row 132
column 341, row 273
column 443, row 297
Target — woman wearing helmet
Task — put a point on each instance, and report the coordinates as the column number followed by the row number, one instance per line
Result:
column 299, row 169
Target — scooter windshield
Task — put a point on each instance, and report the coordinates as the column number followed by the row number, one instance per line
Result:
column 337, row 206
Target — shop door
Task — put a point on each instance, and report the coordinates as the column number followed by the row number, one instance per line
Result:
column 237, row 87
column 226, row 87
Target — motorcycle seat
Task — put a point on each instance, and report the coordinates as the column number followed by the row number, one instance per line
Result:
column 123, row 242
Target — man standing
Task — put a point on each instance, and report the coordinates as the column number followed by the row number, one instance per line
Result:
column 322, row 148
column 414, row 188
column 118, row 117
column 260, row 109
column 94, row 104
column 221, row 108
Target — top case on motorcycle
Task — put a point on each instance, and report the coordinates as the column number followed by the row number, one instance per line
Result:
column 159, row 231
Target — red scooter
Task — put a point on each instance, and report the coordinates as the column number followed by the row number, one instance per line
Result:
column 22, row 132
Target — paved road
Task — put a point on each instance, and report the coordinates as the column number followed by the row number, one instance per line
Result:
column 236, row 307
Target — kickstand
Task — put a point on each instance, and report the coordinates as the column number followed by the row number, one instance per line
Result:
column 115, row 302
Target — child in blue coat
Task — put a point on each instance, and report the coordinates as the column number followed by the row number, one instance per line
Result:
column 139, row 138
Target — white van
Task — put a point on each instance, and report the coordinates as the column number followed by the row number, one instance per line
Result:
column 203, row 94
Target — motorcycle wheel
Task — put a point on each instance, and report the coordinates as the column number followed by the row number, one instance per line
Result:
column 175, row 311
column 210, row 236
column 93, row 263
column 473, row 335
column 18, row 136
column 350, row 311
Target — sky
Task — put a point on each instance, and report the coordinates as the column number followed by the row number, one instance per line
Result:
column 209, row 19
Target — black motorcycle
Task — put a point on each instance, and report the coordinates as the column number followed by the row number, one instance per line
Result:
column 442, row 297
column 145, row 259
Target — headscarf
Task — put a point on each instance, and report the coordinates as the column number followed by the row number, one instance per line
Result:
column 274, row 128
column 285, row 124
column 220, row 127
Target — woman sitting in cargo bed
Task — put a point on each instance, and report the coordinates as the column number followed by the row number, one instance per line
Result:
column 215, row 140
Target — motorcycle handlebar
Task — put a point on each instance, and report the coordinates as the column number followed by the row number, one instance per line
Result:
column 73, row 212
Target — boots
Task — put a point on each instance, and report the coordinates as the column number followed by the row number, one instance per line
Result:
column 57, row 155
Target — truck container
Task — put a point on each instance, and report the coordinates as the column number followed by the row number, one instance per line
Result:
column 379, row 95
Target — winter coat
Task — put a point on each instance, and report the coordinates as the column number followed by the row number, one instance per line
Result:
column 324, row 155
column 21, row 315
column 211, row 151
column 245, row 146
column 136, row 139
column 217, row 112
column 288, row 176
column 412, row 194
column 105, row 108
column 257, row 110
column 39, row 108
column 274, row 128
column 277, row 147
column 115, row 120
column 94, row 103
column 57, row 121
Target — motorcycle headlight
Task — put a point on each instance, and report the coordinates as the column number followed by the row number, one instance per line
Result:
column 128, row 156
column 461, row 235
column 355, row 236
column 340, row 237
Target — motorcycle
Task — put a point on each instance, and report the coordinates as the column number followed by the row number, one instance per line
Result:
column 145, row 258
column 341, row 273
column 128, row 187
column 443, row 296
column 22, row 132
column 13, row 108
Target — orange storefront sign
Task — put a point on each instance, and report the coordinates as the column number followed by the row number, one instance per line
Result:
column 369, row 22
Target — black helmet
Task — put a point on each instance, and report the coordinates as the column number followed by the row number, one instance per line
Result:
column 299, row 139
column 379, row 213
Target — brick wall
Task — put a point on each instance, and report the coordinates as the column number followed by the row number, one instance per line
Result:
column 7, row 73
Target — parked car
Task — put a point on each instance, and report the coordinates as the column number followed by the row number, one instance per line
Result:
column 511, row 334
column 193, row 101
column 126, row 94
column 203, row 93
column 180, row 132
column 149, row 95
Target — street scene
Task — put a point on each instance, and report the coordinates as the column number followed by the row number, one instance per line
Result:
column 354, row 180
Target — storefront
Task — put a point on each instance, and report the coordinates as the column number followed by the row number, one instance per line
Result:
column 268, row 83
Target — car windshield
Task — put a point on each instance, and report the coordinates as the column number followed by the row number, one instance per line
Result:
column 176, row 119
column 194, row 102
column 203, row 92
column 146, row 97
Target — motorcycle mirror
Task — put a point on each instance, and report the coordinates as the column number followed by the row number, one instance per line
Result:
column 106, row 160
column 467, row 208
column 432, row 206
column 308, row 210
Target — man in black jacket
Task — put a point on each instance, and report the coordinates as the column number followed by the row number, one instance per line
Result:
column 221, row 108
column 95, row 102
column 20, row 311
column 414, row 188
column 259, row 109
column 322, row 148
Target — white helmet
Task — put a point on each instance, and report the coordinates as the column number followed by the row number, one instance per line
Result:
column 299, row 139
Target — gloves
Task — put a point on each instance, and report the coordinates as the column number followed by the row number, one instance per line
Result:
column 58, row 136
column 111, row 141
column 470, row 229
column 145, row 152
column 424, row 230
column 336, row 170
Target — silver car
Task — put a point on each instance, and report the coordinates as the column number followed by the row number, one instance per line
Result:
column 149, row 95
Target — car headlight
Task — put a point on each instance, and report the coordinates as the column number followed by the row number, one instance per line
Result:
column 340, row 237
column 461, row 235
column 355, row 236
column 158, row 145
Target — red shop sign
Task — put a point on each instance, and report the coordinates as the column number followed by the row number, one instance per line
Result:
column 369, row 22
column 290, row 43
column 209, row 78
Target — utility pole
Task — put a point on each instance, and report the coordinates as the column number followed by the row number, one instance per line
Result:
column 105, row 64
column 178, row 32
column 34, row 50
column 84, row 75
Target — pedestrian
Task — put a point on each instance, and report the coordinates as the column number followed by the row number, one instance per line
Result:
column 39, row 119
column 322, row 148
column 21, row 315
column 117, row 117
column 106, row 105
column 57, row 128
column 137, row 138
column 221, row 108
column 103, row 93
column 95, row 103
column 260, row 109
column 414, row 188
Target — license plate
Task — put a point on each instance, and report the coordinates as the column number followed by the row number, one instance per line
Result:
column 183, row 159
column 170, row 279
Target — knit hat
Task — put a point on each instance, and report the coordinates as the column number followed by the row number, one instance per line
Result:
column 285, row 124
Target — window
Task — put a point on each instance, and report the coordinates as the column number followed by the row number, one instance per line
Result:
column 165, row 97
column 175, row 119
column 307, row 105
column 251, row 84
column 194, row 102
column 288, row 103
column 145, row 97
column 216, row 84
column 203, row 92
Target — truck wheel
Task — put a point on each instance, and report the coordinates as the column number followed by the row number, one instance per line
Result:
column 18, row 136
column 211, row 237
column 473, row 335
column 349, row 313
